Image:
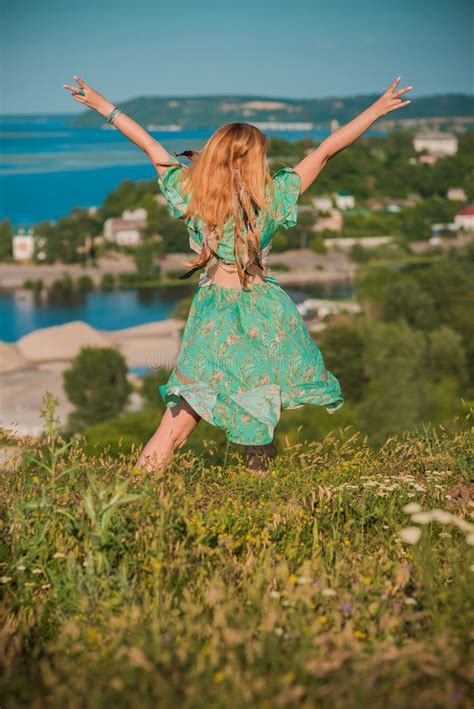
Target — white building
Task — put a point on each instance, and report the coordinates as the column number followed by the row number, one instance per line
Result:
column 436, row 143
column 344, row 200
column 465, row 218
column 127, row 229
column 23, row 245
column 456, row 194
column 333, row 222
column 367, row 242
column 322, row 204
column 138, row 214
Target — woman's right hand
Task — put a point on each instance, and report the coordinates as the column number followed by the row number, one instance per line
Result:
column 91, row 98
column 390, row 100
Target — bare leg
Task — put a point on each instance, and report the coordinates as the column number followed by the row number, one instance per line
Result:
column 258, row 458
column 175, row 427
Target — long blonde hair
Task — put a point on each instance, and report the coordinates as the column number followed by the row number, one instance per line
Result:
column 227, row 180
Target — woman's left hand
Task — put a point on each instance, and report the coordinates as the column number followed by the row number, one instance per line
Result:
column 91, row 98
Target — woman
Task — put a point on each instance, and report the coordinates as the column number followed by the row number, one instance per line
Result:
column 246, row 353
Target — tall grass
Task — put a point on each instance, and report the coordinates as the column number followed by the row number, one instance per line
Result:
column 206, row 586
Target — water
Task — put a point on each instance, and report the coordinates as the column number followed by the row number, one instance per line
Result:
column 22, row 311
column 48, row 168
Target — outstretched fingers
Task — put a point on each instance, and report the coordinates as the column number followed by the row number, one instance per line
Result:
column 401, row 104
column 393, row 84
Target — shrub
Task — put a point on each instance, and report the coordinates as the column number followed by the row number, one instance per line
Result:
column 108, row 281
column 97, row 384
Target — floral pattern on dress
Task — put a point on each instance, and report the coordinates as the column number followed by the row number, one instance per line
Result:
column 246, row 354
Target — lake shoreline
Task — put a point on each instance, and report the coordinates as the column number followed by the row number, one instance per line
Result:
column 305, row 267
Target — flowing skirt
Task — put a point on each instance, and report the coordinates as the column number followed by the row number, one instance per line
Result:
column 246, row 355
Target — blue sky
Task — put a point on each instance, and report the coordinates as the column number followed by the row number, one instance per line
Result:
column 282, row 48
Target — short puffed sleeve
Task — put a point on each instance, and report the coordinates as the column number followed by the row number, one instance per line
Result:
column 171, row 186
column 286, row 191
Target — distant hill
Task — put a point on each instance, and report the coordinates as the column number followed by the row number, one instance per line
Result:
column 208, row 112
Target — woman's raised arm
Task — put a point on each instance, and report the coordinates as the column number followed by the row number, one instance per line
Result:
column 126, row 125
column 310, row 167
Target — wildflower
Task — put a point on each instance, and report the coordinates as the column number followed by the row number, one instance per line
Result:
column 5, row 579
column 345, row 607
column 37, row 571
column 470, row 539
column 442, row 516
column 292, row 579
column 462, row 524
column 411, row 535
column 359, row 634
column 275, row 594
column 328, row 592
column 410, row 601
column 322, row 618
column 218, row 677
column 422, row 517
column 303, row 579
column 412, row 508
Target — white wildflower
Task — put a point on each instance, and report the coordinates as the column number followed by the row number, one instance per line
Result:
column 410, row 601
column 463, row 525
column 442, row 516
column 422, row 517
column 328, row 592
column 410, row 535
column 412, row 508
column 470, row 539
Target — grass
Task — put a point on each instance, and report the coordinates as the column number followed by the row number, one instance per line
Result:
column 206, row 586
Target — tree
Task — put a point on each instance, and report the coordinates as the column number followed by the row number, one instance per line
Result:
column 97, row 384
column 303, row 229
column 343, row 348
column 6, row 236
column 145, row 258
column 394, row 356
column 317, row 244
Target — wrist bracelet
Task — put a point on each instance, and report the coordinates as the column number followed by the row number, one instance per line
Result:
column 112, row 114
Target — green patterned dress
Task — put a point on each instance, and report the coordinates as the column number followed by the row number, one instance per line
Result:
column 246, row 354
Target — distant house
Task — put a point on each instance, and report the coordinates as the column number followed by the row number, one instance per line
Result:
column 346, row 243
column 393, row 207
column 322, row 204
column 23, row 245
column 456, row 194
column 333, row 222
column 344, row 200
column 465, row 218
column 436, row 143
column 427, row 159
column 422, row 247
column 126, row 230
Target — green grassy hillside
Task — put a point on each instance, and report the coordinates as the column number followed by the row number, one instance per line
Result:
column 207, row 112
column 206, row 586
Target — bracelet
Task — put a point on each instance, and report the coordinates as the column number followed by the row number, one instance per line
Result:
column 112, row 114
